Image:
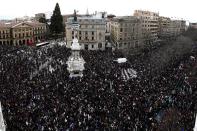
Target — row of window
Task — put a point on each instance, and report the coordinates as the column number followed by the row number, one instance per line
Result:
column 90, row 20
column 129, row 23
column 21, row 30
column 4, row 31
column 127, row 30
column 146, row 13
column 135, row 44
column 150, row 17
column 156, row 26
column 21, row 42
column 92, row 26
column 99, row 46
column 20, row 35
column 129, row 38
column 151, row 21
column 4, row 42
column 23, row 35
column 4, row 36
column 28, row 29
column 125, row 25
column 38, row 32
column 86, row 38
column 85, row 32
column 15, row 31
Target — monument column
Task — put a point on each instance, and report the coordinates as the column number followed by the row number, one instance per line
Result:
column 75, row 61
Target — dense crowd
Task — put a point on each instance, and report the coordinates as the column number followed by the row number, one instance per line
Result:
column 37, row 93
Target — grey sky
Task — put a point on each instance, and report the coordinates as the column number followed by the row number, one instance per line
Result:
column 172, row 8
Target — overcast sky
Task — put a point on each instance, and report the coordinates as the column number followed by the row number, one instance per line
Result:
column 185, row 9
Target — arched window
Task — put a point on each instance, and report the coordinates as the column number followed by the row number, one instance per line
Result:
column 20, row 42
column 100, row 36
column 120, row 44
column 23, row 41
column 99, row 45
column 125, row 44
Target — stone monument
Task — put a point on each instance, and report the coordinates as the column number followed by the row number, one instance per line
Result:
column 75, row 61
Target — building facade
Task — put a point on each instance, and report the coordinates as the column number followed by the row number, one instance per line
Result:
column 193, row 25
column 164, row 24
column 39, row 16
column 175, row 28
column 126, row 32
column 23, row 33
column 91, row 33
column 150, row 25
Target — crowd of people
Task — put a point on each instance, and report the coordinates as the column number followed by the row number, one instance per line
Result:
column 37, row 93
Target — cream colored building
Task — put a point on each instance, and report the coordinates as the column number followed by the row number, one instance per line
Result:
column 23, row 33
column 126, row 32
column 91, row 33
column 150, row 25
column 164, row 24
column 171, row 28
column 175, row 27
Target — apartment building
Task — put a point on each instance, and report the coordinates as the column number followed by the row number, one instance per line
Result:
column 170, row 28
column 176, row 27
column 150, row 25
column 22, row 33
column 193, row 25
column 164, row 24
column 91, row 32
column 126, row 32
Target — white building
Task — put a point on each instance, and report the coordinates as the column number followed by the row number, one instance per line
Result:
column 91, row 32
column 150, row 24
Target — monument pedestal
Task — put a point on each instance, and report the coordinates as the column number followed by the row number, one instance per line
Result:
column 75, row 61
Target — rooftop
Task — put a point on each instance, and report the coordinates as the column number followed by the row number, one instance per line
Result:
column 125, row 18
column 15, row 23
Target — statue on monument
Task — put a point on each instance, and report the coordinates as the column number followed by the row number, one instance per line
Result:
column 75, row 15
